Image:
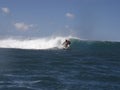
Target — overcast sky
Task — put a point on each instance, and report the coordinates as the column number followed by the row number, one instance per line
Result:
column 86, row 19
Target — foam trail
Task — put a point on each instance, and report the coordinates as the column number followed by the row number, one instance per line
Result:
column 39, row 43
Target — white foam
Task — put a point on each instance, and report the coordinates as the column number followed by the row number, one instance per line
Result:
column 39, row 43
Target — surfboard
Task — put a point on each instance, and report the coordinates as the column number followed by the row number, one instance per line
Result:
column 64, row 47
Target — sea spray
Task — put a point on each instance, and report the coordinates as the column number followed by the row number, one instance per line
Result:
column 35, row 43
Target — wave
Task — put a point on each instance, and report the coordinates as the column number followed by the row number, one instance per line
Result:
column 96, row 47
column 35, row 43
column 82, row 46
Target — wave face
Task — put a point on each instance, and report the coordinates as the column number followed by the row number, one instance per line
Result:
column 96, row 47
column 39, row 43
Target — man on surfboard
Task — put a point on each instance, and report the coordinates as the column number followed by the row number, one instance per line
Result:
column 66, row 43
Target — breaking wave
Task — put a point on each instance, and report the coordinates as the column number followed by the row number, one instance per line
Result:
column 36, row 43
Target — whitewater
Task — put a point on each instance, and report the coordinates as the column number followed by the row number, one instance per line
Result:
column 34, row 43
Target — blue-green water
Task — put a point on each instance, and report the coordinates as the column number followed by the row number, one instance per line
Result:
column 86, row 65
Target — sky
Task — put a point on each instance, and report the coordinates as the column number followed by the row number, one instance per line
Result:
column 86, row 19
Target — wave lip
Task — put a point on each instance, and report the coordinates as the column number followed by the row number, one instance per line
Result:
column 39, row 43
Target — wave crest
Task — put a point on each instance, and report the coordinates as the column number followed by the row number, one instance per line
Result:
column 39, row 43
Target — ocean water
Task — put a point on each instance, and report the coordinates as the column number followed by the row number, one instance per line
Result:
column 42, row 64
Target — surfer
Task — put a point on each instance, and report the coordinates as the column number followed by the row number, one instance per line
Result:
column 66, row 43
